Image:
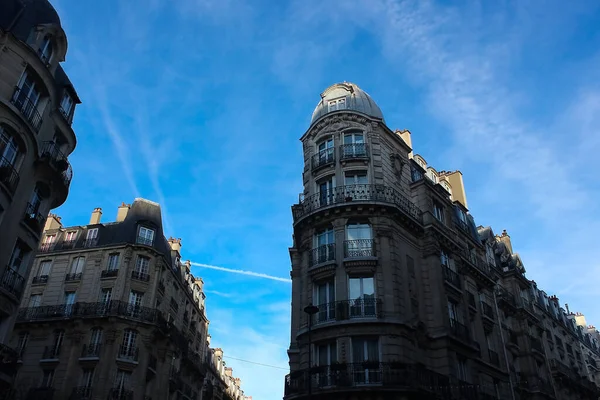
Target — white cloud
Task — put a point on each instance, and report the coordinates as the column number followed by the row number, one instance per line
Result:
column 243, row 272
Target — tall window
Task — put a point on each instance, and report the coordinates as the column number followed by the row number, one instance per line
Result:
column 8, row 148
column 59, row 336
column 34, row 201
column 66, row 105
column 145, row 236
column 87, row 378
column 113, row 262
column 18, row 257
column 447, row 261
column 324, row 248
column 416, row 174
column 76, row 268
column 28, row 93
column 337, row 104
column 47, row 378
column 45, row 49
column 438, row 211
column 35, row 300
column 105, row 295
column 122, row 381
column 91, row 237
column 454, row 313
column 362, row 296
column 69, row 302
column 325, row 354
column 359, row 240
column 325, row 188
column 461, row 369
column 44, row 270
column 49, row 239
column 128, row 348
column 325, row 300
column 365, row 356
column 354, row 145
column 22, row 343
column 135, row 302
column 142, row 265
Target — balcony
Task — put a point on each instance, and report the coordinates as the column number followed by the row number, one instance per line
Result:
column 46, row 247
column 76, row 276
column 140, row 276
column 81, row 393
column 39, row 280
column 356, row 193
column 526, row 309
column 128, row 353
column 87, row 243
column 58, row 161
column 407, row 377
column 12, row 282
column 120, row 394
column 8, row 175
column 494, row 359
column 91, row 350
column 359, row 248
column 34, row 219
column 322, row 254
column 354, row 151
column 51, row 353
column 88, row 310
column 27, row 108
column 144, row 241
column 68, row 244
column 322, row 159
column 506, row 299
column 109, row 273
column 349, row 309
column 451, row 276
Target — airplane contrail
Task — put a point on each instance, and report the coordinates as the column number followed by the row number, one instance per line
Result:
column 242, row 272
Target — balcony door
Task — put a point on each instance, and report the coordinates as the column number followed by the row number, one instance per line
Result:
column 325, row 188
column 325, row 355
column 354, row 145
column 365, row 356
column 122, row 383
column 28, row 94
column 69, row 302
column 362, row 297
column 359, row 240
column 324, row 249
column 8, row 148
column 326, row 150
column 325, row 300
column 135, row 303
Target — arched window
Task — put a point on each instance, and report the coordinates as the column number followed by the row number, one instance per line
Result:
column 45, row 49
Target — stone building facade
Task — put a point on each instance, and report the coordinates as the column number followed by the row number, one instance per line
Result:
column 410, row 293
column 37, row 104
column 111, row 311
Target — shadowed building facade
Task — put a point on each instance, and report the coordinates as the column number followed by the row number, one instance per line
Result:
column 37, row 103
column 406, row 284
column 111, row 312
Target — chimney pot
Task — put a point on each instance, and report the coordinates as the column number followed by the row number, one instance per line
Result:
column 96, row 216
column 122, row 212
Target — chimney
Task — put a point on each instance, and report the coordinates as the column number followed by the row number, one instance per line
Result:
column 122, row 212
column 52, row 222
column 228, row 371
column 238, row 382
column 219, row 352
column 405, row 136
column 96, row 215
column 175, row 244
column 455, row 180
column 505, row 238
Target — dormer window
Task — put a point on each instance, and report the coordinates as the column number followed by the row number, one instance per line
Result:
column 66, row 106
column 45, row 49
column 338, row 104
column 145, row 236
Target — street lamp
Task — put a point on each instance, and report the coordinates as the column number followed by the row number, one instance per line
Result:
column 310, row 310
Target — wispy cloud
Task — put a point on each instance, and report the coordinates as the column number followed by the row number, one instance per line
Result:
column 243, row 272
column 218, row 293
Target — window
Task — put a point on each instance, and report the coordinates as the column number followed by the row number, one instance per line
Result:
column 359, row 241
column 362, row 297
column 122, row 381
column 69, row 302
column 325, row 188
column 454, row 313
column 28, row 94
column 113, row 262
column 356, row 178
column 432, row 176
column 34, row 201
column 446, row 186
column 438, row 211
column 105, row 295
column 47, row 378
column 44, row 270
column 416, row 174
column 444, row 259
column 18, row 258
column 92, row 237
column 365, row 356
column 45, row 49
column 142, row 264
column 325, row 354
column 461, row 369
column 70, row 236
column 325, row 152
column 96, row 336
column 337, row 104
column 145, row 236
column 87, row 378
column 325, row 300
column 8, row 148
column 354, row 145
column 128, row 348
column 66, row 105
column 35, row 300
column 323, row 247
column 135, row 302
column 76, row 270
column 22, row 343
column 59, row 336
column 49, row 239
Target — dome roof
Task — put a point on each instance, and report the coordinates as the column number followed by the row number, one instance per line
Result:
column 20, row 17
column 346, row 96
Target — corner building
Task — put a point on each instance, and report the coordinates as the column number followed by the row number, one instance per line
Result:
column 404, row 282
column 111, row 312
column 37, row 104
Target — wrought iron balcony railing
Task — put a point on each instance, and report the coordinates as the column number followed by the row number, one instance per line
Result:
column 357, row 193
column 13, row 282
column 369, row 307
column 354, row 151
column 8, row 175
column 46, row 247
column 451, row 276
column 40, row 280
column 34, row 219
column 87, row 243
column 68, row 244
column 322, row 254
column 129, row 353
column 323, row 158
column 120, row 394
column 107, row 273
column 332, row 377
column 144, row 241
column 27, row 107
column 75, row 276
column 507, row 297
column 359, row 248
column 140, row 276
column 81, row 393
column 51, row 353
column 91, row 350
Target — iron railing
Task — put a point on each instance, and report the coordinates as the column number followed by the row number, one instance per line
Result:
column 46, row 247
column 359, row 248
column 140, row 276
column 107, row 273
column 40, row 280
column 144, row 241
column 349, row 193
column 27, row 107
column 369, row 307
column 88, row 310
column 322, row 254
column 129, row 353
column 51, row 352
column 451, row 276
column 354, row 151
column 73, row 276
column 91, row 350
column 13, row 282
column 120, row 394
column 33, row 218
column 68, row 244
column 494, row 358
column 90, row 242
column 323, row 157
column 393, row 374
column 81, row 393
column 9, row 176
column 507, row 297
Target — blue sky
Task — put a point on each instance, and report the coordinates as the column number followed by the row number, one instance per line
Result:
column 199, row 105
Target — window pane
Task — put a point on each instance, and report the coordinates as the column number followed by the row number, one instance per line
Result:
column 355, row 288
column 368, row 287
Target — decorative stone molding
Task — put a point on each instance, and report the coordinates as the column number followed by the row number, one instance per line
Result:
column 323, row 272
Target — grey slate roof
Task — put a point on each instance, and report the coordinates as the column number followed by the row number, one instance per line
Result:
column 356, row 100
column 20, row 16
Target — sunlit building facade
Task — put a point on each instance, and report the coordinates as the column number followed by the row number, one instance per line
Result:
column 396, row 292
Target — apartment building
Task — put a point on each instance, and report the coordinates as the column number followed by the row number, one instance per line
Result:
column 37, row 104
column 396, row 291
column 111, row 311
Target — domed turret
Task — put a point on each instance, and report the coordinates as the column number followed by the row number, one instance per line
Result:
column 346, row 96
column 20, row 17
